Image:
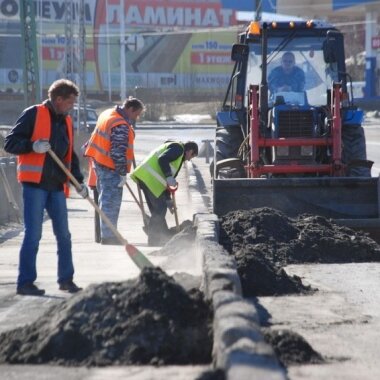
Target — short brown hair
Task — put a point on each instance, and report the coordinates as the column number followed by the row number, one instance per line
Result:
column 134, row 103
column 64, row 88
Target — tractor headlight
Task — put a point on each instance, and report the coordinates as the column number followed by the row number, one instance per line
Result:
column 306, row 151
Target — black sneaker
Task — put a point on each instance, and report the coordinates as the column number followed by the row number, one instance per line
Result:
column 29, row 289
column 69, row 286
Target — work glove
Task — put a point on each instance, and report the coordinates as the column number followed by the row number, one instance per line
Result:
column 123, row 181
column 171, row 182
column 41, row 146
column 170, row 205
column 83, row 191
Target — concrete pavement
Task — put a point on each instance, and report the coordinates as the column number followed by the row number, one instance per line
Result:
column 94, row 263
column 239, row 348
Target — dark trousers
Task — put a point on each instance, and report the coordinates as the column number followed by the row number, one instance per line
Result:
column 158, row 230
column 96, row 216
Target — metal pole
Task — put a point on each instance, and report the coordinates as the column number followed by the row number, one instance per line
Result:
column 82, row 67
column 258, row 5
column 41, row 48
column 108, row 54
column 123, row 86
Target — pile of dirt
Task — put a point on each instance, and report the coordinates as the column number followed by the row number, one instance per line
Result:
column 150, row 320
column 291, row 348
column 264, row 240
column 217, row 374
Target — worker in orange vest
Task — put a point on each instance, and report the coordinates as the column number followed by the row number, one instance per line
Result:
column 111, row 149
column 45, row 186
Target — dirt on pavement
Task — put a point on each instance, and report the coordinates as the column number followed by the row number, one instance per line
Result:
column 264, row 240
column 149, row 320
column 291, row 348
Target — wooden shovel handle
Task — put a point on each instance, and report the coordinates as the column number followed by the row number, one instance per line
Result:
column 175, row 211
column 137, row 257
column 78, row 186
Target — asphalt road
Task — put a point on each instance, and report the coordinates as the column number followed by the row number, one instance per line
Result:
column 341, row 321
column 372, row 133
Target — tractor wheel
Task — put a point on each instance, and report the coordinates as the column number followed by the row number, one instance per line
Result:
column 354, row 153
column 227, row 144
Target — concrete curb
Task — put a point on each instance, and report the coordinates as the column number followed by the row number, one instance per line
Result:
column 239, row 347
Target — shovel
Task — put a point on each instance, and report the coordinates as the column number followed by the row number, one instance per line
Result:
column 145, row 216
column 137, row 257
column 172, row 192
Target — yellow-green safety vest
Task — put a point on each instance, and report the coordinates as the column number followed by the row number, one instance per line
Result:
column 150, row 173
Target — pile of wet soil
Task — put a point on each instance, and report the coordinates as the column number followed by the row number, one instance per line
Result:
column 264, row 240
column 291, row 348
column 149, row 320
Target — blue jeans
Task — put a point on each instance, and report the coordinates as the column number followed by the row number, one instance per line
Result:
column 110, row 197
column 36, row 200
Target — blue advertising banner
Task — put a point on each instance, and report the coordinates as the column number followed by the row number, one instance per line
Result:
column 250, row 5
column 339, row 4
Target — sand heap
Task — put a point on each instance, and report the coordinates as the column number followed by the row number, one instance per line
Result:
column 149, row 320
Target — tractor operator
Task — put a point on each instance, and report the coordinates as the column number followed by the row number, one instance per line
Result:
column 155, row 175
column 287, row 77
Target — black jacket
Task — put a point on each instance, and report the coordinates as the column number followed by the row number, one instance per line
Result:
column 18, row 141
column 174, row 151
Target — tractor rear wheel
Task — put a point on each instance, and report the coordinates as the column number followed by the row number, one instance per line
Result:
column 227, row 143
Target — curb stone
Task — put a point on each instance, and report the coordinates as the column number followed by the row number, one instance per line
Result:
column 239, row 347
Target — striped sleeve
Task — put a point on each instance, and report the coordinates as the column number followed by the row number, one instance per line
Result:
column 119, row 145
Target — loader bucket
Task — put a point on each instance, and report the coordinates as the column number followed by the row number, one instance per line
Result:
column 352, row 201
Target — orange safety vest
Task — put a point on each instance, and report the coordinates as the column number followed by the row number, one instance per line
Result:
column 99, row 145
column 30, row 165
column 91, row 180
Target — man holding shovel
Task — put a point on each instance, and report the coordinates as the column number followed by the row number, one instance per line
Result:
column 156, row 176
column 111, row 149
column 41, row 128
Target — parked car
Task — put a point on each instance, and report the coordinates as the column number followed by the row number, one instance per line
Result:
column 91, row 118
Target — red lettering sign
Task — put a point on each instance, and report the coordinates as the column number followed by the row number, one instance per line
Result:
column 376, row 42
